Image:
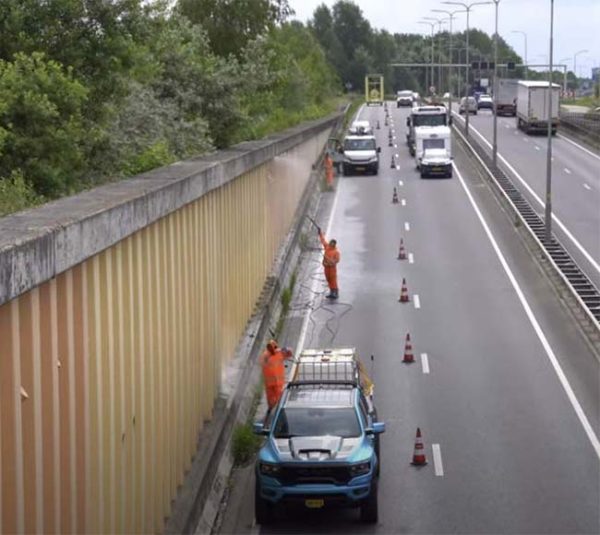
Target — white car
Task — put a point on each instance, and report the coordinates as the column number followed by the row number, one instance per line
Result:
column 469, row 104
column 404, row 98
column 485, row 101
column 361, row 128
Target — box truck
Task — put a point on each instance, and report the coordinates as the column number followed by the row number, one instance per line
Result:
column 506, row 99
column 532, row 106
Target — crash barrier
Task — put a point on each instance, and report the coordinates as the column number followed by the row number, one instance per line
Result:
column 119, row 309
column 582, row 290
column 584, row 125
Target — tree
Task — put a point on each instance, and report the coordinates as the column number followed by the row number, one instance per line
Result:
column 41, row 127
column 231, row 24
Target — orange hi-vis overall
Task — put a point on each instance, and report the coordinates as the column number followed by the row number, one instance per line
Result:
column 331, row 257
column 273, row 368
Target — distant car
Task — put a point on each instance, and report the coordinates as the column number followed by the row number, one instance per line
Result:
column 361, row 128
column 446, row 96
column 468, row 104
column 485, row 102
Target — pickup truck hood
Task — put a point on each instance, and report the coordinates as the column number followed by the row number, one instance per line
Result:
column 315, row 449
column 359, row 155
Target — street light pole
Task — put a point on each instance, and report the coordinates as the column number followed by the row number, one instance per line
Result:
column 525, row 36
column 467, row 8
column 548, row 210
column 494, row 102
column 575, row 64
column 432, row 51
column 439, row 22
column 451, row 17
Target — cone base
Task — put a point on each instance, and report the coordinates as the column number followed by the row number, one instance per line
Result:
column 410, row 360
column 420, row 463
column 404, row 300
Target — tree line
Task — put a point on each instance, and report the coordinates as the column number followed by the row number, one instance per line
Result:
column 97, row 90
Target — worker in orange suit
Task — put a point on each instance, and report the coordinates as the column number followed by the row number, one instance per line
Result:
column 273, row 367
column 331, row 258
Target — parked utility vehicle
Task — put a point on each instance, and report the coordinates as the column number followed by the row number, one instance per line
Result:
column 322, row 441
column 360, row 153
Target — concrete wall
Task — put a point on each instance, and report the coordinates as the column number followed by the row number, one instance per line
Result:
column 118, row 309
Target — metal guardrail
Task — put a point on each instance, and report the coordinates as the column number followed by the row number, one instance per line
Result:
column 586, row 125
column 584, row 291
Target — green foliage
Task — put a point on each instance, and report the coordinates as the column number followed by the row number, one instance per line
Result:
column 244, row 444
column 16, row 194
column 41, row 126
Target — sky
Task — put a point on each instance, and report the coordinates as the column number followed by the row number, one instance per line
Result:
column 576, row 24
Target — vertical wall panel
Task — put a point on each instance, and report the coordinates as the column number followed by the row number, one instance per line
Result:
column 108, row 371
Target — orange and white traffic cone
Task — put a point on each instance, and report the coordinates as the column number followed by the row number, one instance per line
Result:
column 395, row 197
column 409, row 358
column 404, row 293
column 401, row 251
column 419, row 454
column 393, row 163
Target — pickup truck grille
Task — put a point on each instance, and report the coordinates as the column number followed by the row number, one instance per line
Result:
column 301, row 473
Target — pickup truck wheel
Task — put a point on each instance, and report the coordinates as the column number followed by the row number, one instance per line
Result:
column 262, row 508
column 369, row 510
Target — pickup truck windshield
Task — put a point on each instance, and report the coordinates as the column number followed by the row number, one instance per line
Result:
column 317, row 422
column 429, row 120
column 359, row 144
column 433, row 143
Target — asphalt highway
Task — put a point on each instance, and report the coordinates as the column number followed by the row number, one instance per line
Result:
column 504, row 388
column 575, row 183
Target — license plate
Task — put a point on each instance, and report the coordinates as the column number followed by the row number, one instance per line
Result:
column 436, row 169
column 360, row 168
column 314, row 504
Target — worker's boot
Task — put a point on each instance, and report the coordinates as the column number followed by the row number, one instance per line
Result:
column 331, row 294
column 334, row 294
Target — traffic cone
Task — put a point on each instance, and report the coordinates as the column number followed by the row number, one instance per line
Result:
column 404, row 293
column 401, row 251
column 393, row 163
column 386, row 120
column 395, row 197
column 378, row 127
column 409, row 358
column 419, row 453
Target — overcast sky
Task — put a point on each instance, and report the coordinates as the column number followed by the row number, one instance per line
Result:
column 576, row 24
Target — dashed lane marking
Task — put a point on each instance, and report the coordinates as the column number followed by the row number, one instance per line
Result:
column 407, row 226
column 585, row 423
column 417, row 301
column 411, row 258
column 437, row 460
column 568, row 171
column 425, row 363
column 537, row 148
column 587, row 187
column 400, row 183
column 403, row 202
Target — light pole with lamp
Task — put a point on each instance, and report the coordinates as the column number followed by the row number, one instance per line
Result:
column 562, row 61
column 575, row 64
column 495, row 101
column 548, row 210
column 432, row 25
column 467, row 8
column 451, row 17
column 439, row 23
column 525, row 58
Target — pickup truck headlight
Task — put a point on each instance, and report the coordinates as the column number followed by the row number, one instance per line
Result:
column 269, row 469
column 360, row 469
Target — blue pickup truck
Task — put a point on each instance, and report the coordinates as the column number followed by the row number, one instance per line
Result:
column 322, row 440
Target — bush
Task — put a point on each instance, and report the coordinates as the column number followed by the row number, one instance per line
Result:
column 16, row 194
column 244, row 445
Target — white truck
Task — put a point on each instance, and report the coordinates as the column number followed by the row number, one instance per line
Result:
column 424, row 116
column 433, row 154
column 532, row 106
column 506, row 99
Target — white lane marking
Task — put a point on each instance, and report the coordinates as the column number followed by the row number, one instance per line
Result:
column 534, row 322
column 506, row 125
column 525, row 139
column 425, row 362
column 568, row 171
column 397, row 156
column 567, row 232
column 537, row 148
column 411, row 258
column 395, row 146
column 587, row 187
column 400, row 183
column 417, row 301
column 437, row 460
column 579, row 146
column 407, row 226
column 403, row 202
